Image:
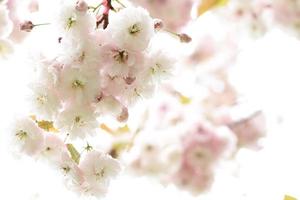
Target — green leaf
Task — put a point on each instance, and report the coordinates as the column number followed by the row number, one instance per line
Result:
column 74, row 153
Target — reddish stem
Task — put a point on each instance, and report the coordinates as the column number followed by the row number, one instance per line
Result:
column 105, row 15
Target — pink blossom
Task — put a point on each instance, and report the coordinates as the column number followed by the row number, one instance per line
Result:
column 250, row 129
column 81, row 6
column 53, row 148
column 194, row 180
column 202, row 146
column 98, row 168
column 29, row 138
column 174, row 13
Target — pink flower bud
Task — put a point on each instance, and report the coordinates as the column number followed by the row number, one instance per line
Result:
column 158, row 24
column 184, row 38
column 26, row 26
column 81, row 6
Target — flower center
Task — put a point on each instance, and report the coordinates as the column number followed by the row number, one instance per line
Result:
column 21, row 134
column 66, row 169
column 100, row 174
column 121, row 56
column 199, row 155
column 77, row 84
column 71, row 21
column 134, row 29
column 157, row 68
column 79, row 121
column 42, row 99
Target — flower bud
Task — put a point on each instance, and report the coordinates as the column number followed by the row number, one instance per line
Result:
column 26, row 26
column 158, row 24
column 184, row 38
column 81, row 6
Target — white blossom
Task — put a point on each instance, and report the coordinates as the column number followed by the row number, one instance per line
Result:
column 108, row 105
column 132, row 28
column 84, row 52
column 28, row 136
column 53, row 148
column 78, row 84
column 73, row 23
column 160, row 64
column 45, row 102
column 73, row 176
column 77, row 120
column 98, row 169
column 118, row 61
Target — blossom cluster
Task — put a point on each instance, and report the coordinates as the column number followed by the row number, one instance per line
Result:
column 105, row 57
column 180, row 144
column 190, row 133
column 103, row 61
column 87, row 175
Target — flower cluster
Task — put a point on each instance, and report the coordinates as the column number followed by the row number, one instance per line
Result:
column 98, row 72
column 89, row 175
column 188, row 137
column 250, row 16
column 103, row 61
column 181, row 150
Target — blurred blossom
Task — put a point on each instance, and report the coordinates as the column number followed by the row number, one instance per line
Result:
column 174, row 13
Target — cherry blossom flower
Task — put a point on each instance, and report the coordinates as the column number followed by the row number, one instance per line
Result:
column 108, row 105
column 160, row 64
column 45, row 102
column 193, row 180
column 118, row 62
column 73, row 175
column 250, row 129
column 98, row 169
column 53, row 148
column 174, row 13
column 79, row 84
column 204, row 145
column 73, row 23
column 77, row 121
column 286, row 13
column 132, row 28
column 28, row 137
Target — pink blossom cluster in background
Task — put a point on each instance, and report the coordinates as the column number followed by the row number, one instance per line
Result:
column 174, row 13
column 12, row 14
